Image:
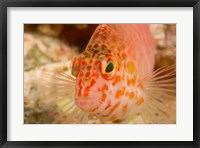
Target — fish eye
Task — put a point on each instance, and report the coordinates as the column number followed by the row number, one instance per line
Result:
column 109, row 67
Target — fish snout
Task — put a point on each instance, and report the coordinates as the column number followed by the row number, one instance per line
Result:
column 87, row 100
column 85, row 104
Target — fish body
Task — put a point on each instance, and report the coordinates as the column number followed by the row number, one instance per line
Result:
column 113, row 95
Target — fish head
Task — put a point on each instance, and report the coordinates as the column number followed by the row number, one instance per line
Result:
column 105, row 76
column 96, row 75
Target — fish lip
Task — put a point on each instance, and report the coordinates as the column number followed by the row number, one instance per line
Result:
column 85, row 105
column 81, row 102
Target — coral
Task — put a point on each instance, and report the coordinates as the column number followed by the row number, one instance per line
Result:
column 165, row 44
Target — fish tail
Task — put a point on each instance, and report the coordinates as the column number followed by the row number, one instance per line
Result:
column 160, row 96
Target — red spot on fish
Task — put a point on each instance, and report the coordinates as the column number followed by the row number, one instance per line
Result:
column 96, row 62
column 92, row 82
column 95, row 109
column 114, row 107
column 103, row 47
column 123, row 55
column 80, row 59
column 141, row 86
column 103, row 27
column 81, row 74
column 103, row 97
column 96, row 46
column 140, row 101
column 84, row 63
column 86, row 92
column 131, row 81
column 89, row 67
column 95, row 75
column 122, row 77
column 120, row 93
column 105, row 87
column 131, row 95
column 87, row 74
column 108, row 106
column 124, row 108
column 117, row 79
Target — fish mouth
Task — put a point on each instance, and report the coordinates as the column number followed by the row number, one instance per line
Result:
column 81, row 102
column 85, row 104
column 89, row 102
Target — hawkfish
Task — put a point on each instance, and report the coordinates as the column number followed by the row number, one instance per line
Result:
column 114, row 80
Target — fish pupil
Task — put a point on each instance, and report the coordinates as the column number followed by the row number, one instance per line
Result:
column 109, row 67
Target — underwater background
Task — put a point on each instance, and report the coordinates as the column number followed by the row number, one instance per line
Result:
column 48, row 47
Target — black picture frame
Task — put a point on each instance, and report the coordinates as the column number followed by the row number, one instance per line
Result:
column 4, row 4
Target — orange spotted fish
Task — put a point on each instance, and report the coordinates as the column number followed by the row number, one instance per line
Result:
column 113, row 79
